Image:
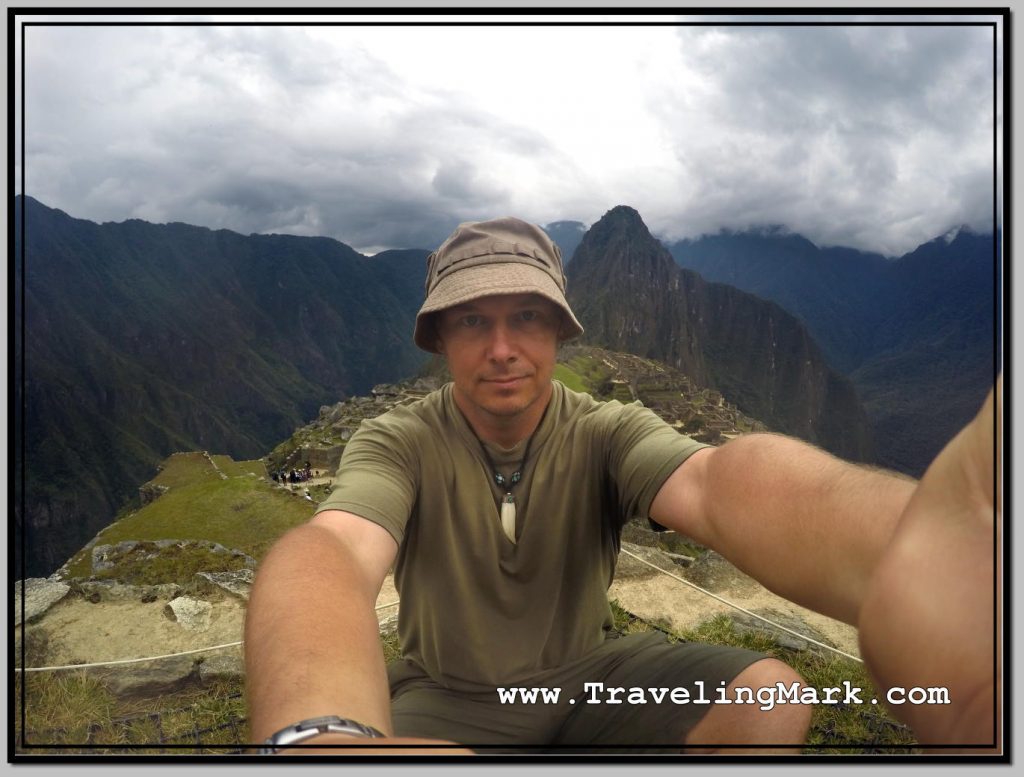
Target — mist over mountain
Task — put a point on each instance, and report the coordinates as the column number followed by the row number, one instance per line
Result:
column 631, row 296
column 916, row 334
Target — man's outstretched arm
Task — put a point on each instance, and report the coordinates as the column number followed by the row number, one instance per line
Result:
column 805, row 524
column 312, row 643
column 911, row 564
column 929, row 619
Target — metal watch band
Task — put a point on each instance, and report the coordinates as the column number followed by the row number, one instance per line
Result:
column 306, row 729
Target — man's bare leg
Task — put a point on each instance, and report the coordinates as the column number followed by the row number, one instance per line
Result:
column 747, row 725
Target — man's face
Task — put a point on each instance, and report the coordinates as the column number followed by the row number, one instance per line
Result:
column 501, row 353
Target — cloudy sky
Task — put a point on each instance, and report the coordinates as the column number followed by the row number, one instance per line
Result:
column 879, row 138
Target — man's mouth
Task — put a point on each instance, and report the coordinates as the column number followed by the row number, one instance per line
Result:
column 507, row 380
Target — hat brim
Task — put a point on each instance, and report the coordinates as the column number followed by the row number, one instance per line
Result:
column 484, row 281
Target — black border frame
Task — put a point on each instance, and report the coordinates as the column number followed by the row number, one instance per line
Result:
column 17, row 367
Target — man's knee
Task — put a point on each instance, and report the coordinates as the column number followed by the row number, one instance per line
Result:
column 756, row 718
column 776, row 676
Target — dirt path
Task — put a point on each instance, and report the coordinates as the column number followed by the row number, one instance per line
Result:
column 661, row 597
column 77, row 631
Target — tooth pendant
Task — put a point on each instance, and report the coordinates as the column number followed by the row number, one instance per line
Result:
column 508, row 516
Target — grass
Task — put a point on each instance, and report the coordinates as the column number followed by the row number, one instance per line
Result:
column 233, row 468
column 146, row 564
column 73, row 713
column 183, row 469
column 241, row 512
column 835, row 728
column 570, row 378
column 69, row 709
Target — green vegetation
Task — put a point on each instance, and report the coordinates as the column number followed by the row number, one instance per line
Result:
column 146, row 564
column 832, row 725
column 593, row 372
column 66, row 709
column 570, row 378
column 183, row 469
column 77, row 709
column 233, row 468
column 240, row 512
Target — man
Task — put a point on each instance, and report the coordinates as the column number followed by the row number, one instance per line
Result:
column 499, row 500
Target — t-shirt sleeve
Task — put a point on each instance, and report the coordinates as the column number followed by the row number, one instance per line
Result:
column 377, row 476
column 643, row 452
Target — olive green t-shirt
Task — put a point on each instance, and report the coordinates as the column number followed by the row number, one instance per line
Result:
column 478, row 610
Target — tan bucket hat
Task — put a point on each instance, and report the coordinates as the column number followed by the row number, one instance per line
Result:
column 481, row 258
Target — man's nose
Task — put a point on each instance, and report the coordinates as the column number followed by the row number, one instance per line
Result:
column 502, row 347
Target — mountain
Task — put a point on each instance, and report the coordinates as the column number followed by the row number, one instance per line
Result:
column 142, row 340
column 630, row 295
column 916, row 334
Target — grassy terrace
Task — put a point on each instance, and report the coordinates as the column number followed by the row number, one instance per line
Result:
column 242, row 512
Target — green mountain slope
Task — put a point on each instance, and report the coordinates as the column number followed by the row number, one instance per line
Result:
column 146, row 339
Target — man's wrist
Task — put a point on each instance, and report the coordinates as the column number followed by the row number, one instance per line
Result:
column 318, row 728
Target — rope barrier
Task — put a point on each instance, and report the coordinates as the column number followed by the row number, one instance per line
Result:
column 148, row 658
column 741, row 609
column 392, row 604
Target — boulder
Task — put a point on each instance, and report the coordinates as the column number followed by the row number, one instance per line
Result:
column 388, row 624
column 137, row 681
column 191, row 614
column 744, row 623
column 713, row 572
column 40, row 594
column 237, row 583
column 150, row 492
column 222, row 666
column 113, row 591
column 629, row 567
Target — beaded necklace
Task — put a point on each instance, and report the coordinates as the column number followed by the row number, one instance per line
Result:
column 508, row 502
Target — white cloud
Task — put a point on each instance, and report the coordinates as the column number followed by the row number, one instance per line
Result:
column 879, row 138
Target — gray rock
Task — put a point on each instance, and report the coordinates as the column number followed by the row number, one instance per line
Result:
column 101, row 558
column 222, row 666
column 629, row 567
column 713, row 572
column 191, row 614
column 40, row 594
column 166, row 675
column 150, row 492
column 237, row 583
column 746, row 624
column 113, row 591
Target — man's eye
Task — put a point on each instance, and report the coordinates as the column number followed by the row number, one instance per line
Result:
column 529, row 315
column 470, row 321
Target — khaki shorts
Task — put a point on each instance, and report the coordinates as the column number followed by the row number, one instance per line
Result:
column 584, row 714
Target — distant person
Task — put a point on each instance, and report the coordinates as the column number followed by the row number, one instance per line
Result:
column 500, row 497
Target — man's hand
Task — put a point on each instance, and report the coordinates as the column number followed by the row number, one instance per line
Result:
column 929, row 614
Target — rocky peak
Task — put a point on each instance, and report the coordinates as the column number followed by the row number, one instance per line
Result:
column 621, row 243
column 630, row 295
